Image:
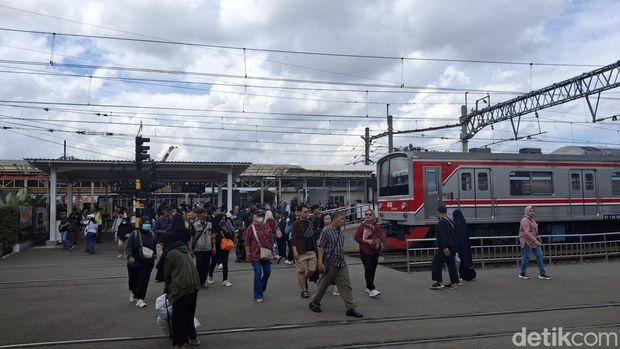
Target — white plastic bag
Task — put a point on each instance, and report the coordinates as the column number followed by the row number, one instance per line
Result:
column 162, row 315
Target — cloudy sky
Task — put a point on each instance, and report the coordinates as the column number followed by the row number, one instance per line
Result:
column 291, row 82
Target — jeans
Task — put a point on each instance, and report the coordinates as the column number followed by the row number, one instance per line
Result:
column 438, row 261
column 526, row 258
column 223, row 258
column 91, row 241
column 66, row 243
column 262, row 270
column 370, row 262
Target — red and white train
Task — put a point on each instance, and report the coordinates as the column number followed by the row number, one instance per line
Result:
column 574, row 190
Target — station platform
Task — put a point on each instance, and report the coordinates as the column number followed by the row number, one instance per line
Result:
column 69, row 299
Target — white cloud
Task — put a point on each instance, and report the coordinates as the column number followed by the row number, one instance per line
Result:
column 526, row 31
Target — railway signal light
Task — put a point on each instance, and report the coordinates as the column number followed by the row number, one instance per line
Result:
column 142, row 151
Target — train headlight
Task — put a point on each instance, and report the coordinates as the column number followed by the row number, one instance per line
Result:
column 403, row 205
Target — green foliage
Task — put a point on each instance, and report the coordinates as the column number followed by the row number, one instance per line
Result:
column 14, row 199
column 9, row 224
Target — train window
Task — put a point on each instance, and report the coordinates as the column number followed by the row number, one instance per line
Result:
column 531, row 183
column 483, row 181
column 466, row 181
column 520, row 183
column 575, row 181
column 615, row 183
column 542, row 183
column 589, row 179
column 394, row 176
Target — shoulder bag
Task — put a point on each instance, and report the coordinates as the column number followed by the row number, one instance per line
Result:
column 265, row 253
column 145, row 252
column 226, row 244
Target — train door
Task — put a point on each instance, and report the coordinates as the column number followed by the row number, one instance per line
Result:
column 432, row 190
column 475, row 192
column 584, row 199
column 482, row 192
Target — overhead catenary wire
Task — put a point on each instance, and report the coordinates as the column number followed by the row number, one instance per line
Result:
column 298, row 52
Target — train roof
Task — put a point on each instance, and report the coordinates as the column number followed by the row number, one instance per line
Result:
column 430, row 155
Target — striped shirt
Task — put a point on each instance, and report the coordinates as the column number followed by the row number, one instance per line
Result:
column 332, row 242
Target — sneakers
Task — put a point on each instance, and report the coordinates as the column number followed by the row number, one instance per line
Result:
column 259, row 300
column 140, row 303
column 354, row 313
column 437, row 286
column 335, row 291
column 194, row 342
column 288, row 262
column 367, row 291
column 71, row 248
column 374, row 293
column 210, row 280
column 131, row 298
column 305, row 294
column 544, row 277
column 452, row 286
column 315, row 307
column 225, row 283
column 220, row 266
column 524, row 276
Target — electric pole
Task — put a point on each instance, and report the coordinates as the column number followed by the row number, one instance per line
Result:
column 390, row 131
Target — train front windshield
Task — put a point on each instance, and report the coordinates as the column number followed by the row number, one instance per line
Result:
column 394, row 176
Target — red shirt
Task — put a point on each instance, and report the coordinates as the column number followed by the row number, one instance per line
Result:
column 374, row 232
column 264, row 236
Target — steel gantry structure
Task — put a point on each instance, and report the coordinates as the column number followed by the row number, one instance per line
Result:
column 583, row 86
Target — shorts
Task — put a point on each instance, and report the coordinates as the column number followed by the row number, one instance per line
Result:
column 306, row 262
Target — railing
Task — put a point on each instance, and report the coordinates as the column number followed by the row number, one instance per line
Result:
column 502, row 249
column 352, row 214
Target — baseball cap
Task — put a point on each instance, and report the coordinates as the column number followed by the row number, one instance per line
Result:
column 442, row 209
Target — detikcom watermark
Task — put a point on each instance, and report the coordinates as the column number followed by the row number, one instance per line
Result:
column 558, row 337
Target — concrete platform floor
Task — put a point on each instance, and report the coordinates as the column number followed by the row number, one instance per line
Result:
column 61, row 299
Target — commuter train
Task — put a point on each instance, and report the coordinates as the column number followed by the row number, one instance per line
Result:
column 574, row 190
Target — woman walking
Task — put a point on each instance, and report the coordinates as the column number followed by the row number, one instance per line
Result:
column 258, row 235
column 122, row 233
column 181, row 286
column 370, row 238
column 221, row 253
column 528, row 237
column 139, row 263
column 91, row 233
column 463, row 249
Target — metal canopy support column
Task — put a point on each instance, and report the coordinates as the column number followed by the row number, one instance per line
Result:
column 349, row 191
column 262, row 194
column 69, row 198
column 280, row 189
column 229, row 190
column 219, row 194
column 52, row 203
column 92, row 197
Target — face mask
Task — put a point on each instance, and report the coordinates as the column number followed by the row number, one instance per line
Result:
column 146, row 226
column 260, row 219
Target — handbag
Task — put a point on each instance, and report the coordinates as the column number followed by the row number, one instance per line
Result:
column 226, row 244
column 145, row 252
column 265, row 253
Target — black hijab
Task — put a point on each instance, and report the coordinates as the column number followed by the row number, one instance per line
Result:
column 176, row 236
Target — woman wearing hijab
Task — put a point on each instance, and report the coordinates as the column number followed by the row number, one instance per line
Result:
column 369, row 236
column 181, row 284
column 466, row 270
column 258, row 235
column 528, row 237
column 139, row 266
column 122, row 233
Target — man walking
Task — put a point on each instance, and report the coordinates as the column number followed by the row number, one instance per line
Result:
column 202, row 245
column 446, row 250
column 334, row 268
column 304, row 244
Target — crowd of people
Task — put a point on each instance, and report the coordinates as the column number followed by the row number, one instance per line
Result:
column 186, row 245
